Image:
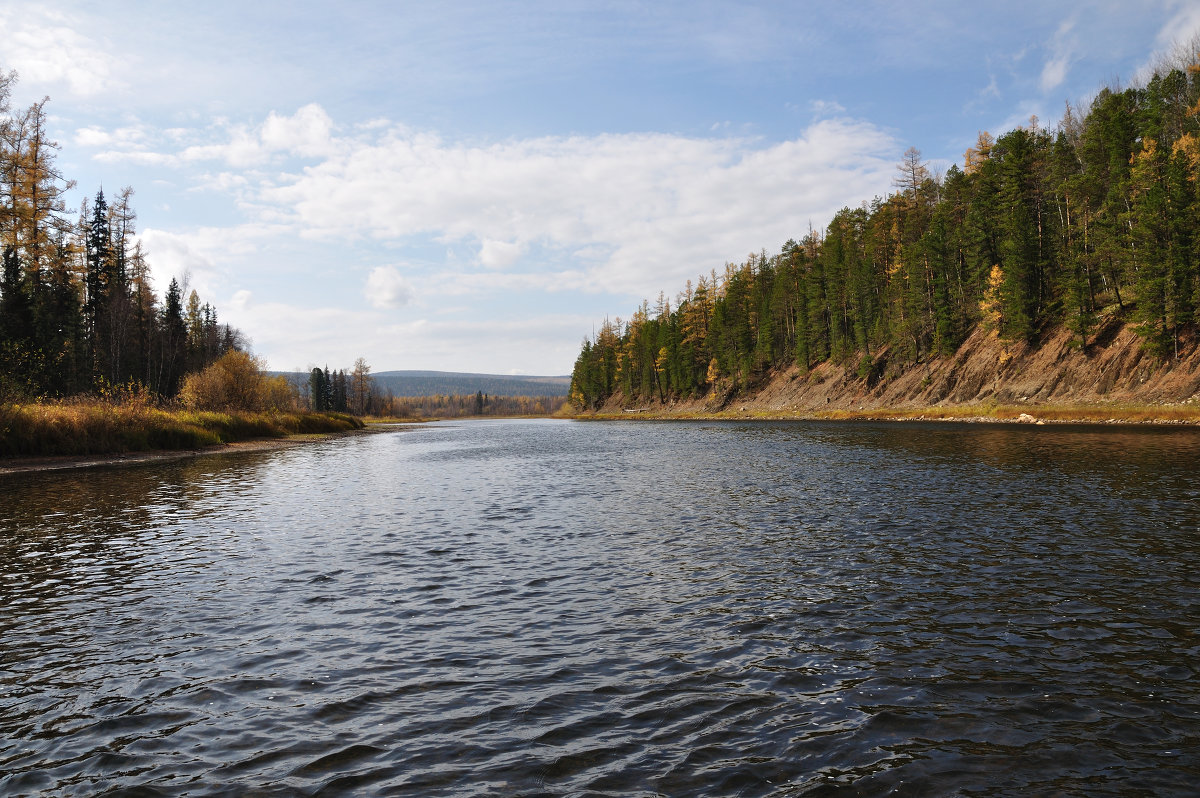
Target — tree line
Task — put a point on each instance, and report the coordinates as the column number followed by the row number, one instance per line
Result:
column 464, row 405
column 339, row 392
column 1096, row 218
column 78, row 314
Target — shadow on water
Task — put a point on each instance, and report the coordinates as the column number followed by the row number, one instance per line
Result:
column 650, row 608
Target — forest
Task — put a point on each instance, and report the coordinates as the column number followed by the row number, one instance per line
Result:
column 78, row 315
column 362, row 394
column 1039, row 228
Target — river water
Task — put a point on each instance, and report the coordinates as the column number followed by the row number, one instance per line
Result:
column 642, row 608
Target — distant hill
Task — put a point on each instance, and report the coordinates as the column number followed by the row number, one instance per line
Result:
column 434, row 383
column 443, row 383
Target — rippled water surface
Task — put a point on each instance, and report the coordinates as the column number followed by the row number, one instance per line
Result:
column 537, row 607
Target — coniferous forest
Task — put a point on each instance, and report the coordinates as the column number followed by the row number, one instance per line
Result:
column 1037, row 229
column 78, row 314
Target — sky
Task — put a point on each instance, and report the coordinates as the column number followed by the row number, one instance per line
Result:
column 477, row 186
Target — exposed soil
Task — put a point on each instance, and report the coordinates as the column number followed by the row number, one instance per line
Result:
column 1112, row 370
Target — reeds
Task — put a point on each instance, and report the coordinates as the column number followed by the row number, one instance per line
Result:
column 98, row 427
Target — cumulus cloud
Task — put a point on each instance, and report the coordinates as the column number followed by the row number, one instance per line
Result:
column 636, row 213
column 180, row 257
column 631, row 214
column 387, row 289
column 659, row 207
column 204, row 258
column 94, row 137
column 75, row 62
column 499, row 254
column 308, row 133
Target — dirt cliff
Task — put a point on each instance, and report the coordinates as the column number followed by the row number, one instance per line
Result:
column 1112, row 369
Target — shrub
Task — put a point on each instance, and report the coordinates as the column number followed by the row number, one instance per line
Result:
column 236, row 382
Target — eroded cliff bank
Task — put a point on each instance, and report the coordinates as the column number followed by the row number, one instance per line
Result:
column 1113, row 371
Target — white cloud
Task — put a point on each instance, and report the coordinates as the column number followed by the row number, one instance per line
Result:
column 1181, row 28
column 1176, row 42
column 137, row 157
column 94, row 137
column 307, row 133
column 386, row 288
column 72, row 61
column 179, row 257
column 495, row 254
column 204, row 258
column 827, row 107
column 661, row 207
column 631, row 214
column 474, row 283
column 1054, row 72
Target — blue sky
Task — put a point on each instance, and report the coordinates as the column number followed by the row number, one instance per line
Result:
column 475, row 186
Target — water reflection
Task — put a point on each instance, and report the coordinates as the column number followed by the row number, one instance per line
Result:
column 547, row 607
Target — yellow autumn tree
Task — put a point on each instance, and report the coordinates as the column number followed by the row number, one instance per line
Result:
column 989, row 305
column 974, row 157
column 236, row 381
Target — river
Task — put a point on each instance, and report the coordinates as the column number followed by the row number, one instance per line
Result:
column 625, row 608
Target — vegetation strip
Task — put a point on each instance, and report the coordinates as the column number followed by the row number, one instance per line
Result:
column 91, row 428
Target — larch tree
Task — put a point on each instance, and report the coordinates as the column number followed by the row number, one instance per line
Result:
column 360, row 387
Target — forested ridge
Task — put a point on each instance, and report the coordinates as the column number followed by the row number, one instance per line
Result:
column 435, row 383
column 1038, row 230
column 78, row 314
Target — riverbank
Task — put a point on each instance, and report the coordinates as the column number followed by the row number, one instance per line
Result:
column 24, row 465
column 48, row 436
column 1111, row 380
column 986, row 414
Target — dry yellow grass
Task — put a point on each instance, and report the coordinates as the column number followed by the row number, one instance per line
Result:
column 97, row 427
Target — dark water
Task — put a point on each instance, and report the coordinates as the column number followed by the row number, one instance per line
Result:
column 527, row 608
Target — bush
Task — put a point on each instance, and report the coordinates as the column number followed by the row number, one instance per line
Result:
column 236, row 382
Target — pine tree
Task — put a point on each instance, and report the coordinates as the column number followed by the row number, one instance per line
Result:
column 172, row 362
column 316, row 390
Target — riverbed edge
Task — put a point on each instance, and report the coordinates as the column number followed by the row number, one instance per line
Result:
column 1035, row 414
column 29, row 465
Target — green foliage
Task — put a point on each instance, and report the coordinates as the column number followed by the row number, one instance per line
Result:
column 1038, row 229
column 76, row 307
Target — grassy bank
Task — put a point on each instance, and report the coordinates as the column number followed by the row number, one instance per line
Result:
column 88, row 428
